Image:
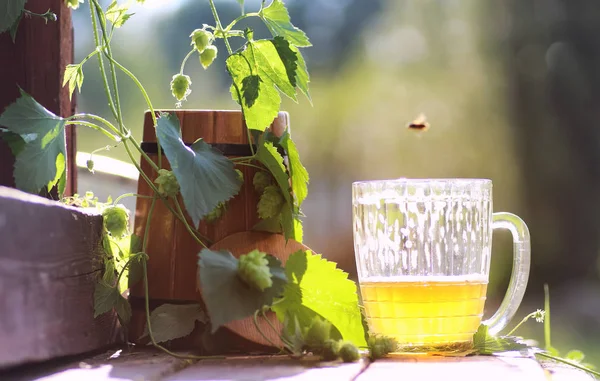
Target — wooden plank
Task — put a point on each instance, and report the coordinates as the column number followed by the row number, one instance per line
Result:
column 271, row 368
column 50, row 259
column 36, row 63
column 561, row 372
column 152, row 365
column 489, row 368
column 112, row 365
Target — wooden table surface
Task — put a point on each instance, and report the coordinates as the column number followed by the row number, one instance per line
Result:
column 151, row 365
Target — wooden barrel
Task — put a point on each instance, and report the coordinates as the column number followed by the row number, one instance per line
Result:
column 172, row 251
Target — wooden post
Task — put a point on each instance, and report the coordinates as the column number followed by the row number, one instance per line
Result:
column 36, row 63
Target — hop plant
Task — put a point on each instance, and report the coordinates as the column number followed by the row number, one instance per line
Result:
column 116, row 220
column 261, row 180
column 348, row 352
column 73, row 4
column 180, row 86
column 90, row 165
column 253, row 269
column 201, row 39
column 380, row 346
column 270, row 202
column 216, row 213
column 208, row 56
column 330, row 350
column 317, row 334
column 240, row 175
column 168, row 186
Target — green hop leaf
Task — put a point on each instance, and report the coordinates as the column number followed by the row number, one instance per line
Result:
column 348, row 352
column 277, row 19
column 257, row 95
column 381, row 346
column 167, row 183
column 201, row 39
column 205, row 176
column 270, row 65
column 268, row 155
column 330, row 350
column 123, row 309
column 226, row 296
column 10, row 13
column 43, row 159
column 180, row 86
column 317, row 334
column 261, row 180
column 575, row 355
column 16, row 142
column 116, row 220
column 105, row 298
column 117, row 14
column 73, row 4
column 486, row 344
column 270, row 203
column 317, row 285
column 208, row 56
column 216, row 213
column 271, row 225
column 298, row 174
column 173, row 321
column 74, row 77
column 253, row 269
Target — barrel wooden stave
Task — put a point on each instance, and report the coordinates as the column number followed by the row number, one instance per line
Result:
column 172, row 251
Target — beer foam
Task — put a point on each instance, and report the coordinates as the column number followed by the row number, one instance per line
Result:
column 479, row 278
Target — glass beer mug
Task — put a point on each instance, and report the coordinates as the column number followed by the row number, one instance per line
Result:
column 423, row 250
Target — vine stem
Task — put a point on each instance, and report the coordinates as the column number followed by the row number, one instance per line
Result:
column 130, row 195
column 260, row 330
column 253, row 166
column 264, row 316
column 102, row 19
column 94, row 127
column 112, row 64
column 121, row 135
column 101, row 64
column 226, row 39
column 521, row 323
column 567, row 362
column 547, row 342
column 185, row 60
column 213, row 8
column 147, row 296
column 234, row 22
column 187, row 225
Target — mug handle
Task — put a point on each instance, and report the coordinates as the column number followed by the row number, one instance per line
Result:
column 520, row 270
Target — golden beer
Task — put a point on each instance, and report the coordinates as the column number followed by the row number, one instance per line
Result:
column 425, row 313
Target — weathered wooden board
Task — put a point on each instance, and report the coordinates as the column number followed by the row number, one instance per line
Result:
column 475, row 368
column 50, row 259
column 115, row 364
column 151, row 365
column 268, row 368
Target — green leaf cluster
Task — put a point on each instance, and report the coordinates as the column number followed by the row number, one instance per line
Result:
column 10, row 14
column 292, row 180
column 316, row 287
column 41, row 156
column 206, row 178
column 313, row 298
column 226, row 295
column 174, row 321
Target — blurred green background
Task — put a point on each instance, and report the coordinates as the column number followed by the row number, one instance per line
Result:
column 511, row 90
